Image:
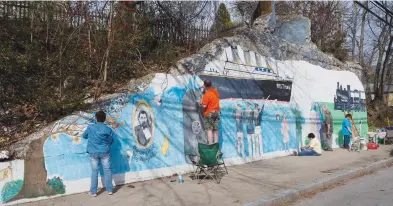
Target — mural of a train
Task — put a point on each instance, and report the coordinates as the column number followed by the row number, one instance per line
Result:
column 347, row 100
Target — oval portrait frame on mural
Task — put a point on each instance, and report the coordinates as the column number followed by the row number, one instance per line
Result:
column 143, row 124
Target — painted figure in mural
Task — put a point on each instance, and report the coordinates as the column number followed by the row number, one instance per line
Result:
column 313, row 149
column 315, row 116
column 250, row 125
column 143, row 131
column 211, row 111
column 99, row 140
column 258, row 112
column 284, row 131
column 346, row 130
column 327, row 129
column 276, row 129
column 192, row 124
column 360, row 127
column 237, row 115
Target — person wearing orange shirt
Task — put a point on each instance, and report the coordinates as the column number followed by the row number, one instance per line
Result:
column 211, row 111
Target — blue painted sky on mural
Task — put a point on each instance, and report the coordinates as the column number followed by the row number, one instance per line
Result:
column 271, row 128
column 68, row 159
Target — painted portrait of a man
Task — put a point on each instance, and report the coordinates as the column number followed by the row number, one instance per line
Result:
column 143, row 124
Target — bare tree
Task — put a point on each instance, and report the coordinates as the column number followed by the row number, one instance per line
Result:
column 361, row 44
column 49, row 46
column 263, row 7
column 383, row 49
column 245, row 9
column 353, row 27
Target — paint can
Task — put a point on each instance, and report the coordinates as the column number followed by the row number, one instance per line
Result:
column 372, row 146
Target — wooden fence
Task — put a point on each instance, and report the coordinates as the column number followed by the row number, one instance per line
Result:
column 170, row 31
column 163, row 29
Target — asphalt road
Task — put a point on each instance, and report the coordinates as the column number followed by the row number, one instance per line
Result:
column 372, row 190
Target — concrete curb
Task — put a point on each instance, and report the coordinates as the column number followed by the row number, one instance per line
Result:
column 293, row 194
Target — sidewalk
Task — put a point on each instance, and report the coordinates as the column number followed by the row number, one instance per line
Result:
column 243, row 184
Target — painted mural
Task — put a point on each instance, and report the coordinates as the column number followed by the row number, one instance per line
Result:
column 315, row 92
column 359, row 119
column 11, row 179
column 244, row 102
column 253, row 128
column 267, row 109
column 348, row 100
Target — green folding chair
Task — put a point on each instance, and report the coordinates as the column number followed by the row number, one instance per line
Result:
column 210, row 162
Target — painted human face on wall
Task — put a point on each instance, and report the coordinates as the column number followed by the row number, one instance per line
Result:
column 326, row 110
column 143, row 119
column 143, row 124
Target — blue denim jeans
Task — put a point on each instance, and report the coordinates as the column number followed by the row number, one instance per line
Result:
column 308, row 153
column 347, row 140
column 106, row 166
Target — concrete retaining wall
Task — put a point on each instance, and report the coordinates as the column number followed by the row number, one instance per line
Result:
column 268, row 108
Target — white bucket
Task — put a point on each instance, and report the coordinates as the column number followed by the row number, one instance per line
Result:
column 363, row 144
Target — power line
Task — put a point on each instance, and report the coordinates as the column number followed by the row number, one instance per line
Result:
column 383, row 7
column 371, row 12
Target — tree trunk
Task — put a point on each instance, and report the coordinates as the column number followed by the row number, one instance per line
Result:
column 385, row 63
column 32, row 22
column 377, row 77
column 47, row 35
column 361, row 44
column 61, row 69
column 89, row 39
column 109, row 43
column 263, row 7
column 35, row 175
column 381, row 75
column 354, row 29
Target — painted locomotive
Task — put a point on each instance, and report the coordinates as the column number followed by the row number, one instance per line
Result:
column 347, row 100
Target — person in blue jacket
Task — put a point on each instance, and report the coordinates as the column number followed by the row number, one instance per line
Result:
column 347, row 130
column 99, row 140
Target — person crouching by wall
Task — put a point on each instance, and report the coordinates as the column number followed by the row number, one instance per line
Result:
column 313, row 149
column 99, row 140
column 211, row 111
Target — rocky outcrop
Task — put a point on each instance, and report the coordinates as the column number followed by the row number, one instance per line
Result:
column 290, row 40
column 294, row 29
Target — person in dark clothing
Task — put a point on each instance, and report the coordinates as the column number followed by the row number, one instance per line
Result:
column 327, row 130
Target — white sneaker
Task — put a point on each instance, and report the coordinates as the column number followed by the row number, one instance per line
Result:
column 110, row 193
column 93, row 195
